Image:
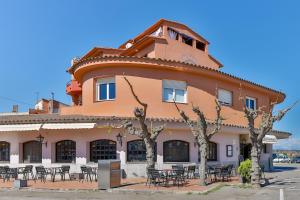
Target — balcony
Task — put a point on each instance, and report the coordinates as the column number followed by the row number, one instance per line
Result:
column 73, row 88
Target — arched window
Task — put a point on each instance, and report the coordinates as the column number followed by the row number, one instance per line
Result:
column 176, row 151
column 65, row 151
column 136, row 151
column 4, row 151
column 32, row 152
column 212, row 154
column 103, row 150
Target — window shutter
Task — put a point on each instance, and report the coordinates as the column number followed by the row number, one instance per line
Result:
column 180, row 85
column 225, row 97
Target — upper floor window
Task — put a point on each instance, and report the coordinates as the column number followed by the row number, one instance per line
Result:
column 106, row 89
column 174, row 91
column 173, row 34
column 187, row 39
column 200, row 45
column 225, row 97
column 251, row 103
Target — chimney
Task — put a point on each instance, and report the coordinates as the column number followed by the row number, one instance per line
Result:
column 15, row 109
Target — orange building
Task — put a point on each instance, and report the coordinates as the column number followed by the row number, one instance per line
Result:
column 166, row 62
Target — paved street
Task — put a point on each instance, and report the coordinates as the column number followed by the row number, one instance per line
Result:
column 286, row 177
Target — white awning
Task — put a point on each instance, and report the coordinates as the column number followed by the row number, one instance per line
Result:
column 270, row 139
column 69, row 126
column 20, row 127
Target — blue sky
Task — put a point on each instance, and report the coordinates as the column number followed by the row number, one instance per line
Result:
column 257, row 40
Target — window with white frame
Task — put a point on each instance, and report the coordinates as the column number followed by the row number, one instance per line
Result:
column 225, row 97
column 251, row 103
column 106, row 89
column 174, row 91
column 229, row 150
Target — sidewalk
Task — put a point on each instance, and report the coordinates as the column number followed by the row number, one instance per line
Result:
column 132, row 184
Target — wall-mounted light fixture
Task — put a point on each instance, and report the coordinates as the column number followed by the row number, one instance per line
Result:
column 41, row 140
column 120, row 138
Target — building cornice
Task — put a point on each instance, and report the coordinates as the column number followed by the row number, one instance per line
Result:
column 182, row 66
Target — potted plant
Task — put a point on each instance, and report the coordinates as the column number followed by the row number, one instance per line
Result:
column 245, row 171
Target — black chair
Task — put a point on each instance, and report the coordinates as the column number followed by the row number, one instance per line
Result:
column 65, row 169
column 157, row 177
column 26, row 171
column 3, row 173
column 42, row 173
column 225, row 172
column 191, row 171
column 178, row 177
column 149, row 170
column 87, row 173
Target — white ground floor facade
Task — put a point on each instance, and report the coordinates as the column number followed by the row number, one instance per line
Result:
column 83, row 146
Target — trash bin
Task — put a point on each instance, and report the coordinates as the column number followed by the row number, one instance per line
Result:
column 109, row 174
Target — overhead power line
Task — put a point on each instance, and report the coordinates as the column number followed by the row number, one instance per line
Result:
column 16, row 101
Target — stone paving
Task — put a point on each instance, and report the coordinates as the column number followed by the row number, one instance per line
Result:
column 133, row 184
column 285, row 178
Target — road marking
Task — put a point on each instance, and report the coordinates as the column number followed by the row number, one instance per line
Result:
column 281, row 195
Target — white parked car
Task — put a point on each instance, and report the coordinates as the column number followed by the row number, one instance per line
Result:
column 281, row 158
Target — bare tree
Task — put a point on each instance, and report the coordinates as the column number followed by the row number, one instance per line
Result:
column 202, row 135
column 257, row 134
column 148, row 135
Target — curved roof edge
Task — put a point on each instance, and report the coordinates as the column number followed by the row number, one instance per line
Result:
column 73, row 68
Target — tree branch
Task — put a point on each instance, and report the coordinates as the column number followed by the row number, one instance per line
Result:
column 185, row 118
column 136, row 97
column 281, row 113
column 132, row 130
column 218, row 121
column 156, row 131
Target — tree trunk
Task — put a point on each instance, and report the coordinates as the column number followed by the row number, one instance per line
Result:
column 150, row 153
column 203, row 162
column 255, row 171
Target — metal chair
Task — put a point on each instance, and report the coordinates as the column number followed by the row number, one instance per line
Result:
column 26, row 171
column 191, row 171
column 65, row 169
column 42, row 173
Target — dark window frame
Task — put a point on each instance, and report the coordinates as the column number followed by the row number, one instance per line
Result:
column 103, row 151
column 65, row 156
column 38, row 158
column 200, row 45
column 4, row 151
column 165, row 159
column 129, row 152
column 211, row 156
column 212, row 151
column 187, row 39
column 229, row 153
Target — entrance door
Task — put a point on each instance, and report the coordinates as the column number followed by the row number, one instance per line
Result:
column 32, row 152
column 245, row 151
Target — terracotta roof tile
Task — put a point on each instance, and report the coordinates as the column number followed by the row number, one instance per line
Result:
column 56, row 118
column 166, row 61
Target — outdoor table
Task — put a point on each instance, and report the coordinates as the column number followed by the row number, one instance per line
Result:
column 170, row 175
column 54, row 171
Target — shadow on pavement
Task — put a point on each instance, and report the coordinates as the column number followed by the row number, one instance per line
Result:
column 283, row 168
